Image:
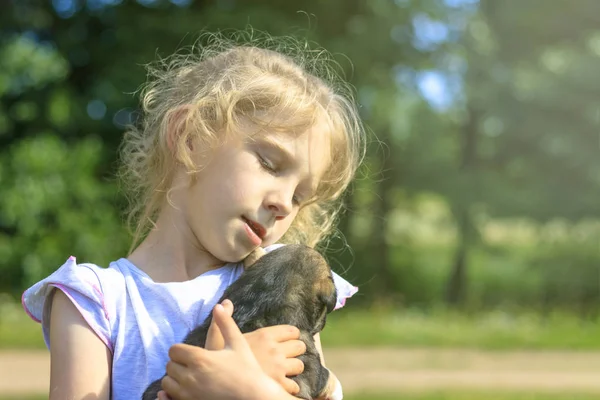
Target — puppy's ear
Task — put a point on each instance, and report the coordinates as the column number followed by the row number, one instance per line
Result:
column 327, row 301
column 329, row 298
column 254, row 257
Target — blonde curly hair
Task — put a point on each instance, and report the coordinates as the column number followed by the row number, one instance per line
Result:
column 279, row 84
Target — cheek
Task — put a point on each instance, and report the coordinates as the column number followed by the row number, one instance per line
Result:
column 243, row 187
column 237, row 180
column 282, row 226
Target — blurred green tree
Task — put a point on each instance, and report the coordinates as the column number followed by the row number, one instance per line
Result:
column 488, row 106
column 529, row 141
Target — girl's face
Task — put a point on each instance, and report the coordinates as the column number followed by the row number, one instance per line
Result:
column 250, row 191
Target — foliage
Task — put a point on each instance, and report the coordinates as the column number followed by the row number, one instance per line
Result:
column 486, row 107
column 52, row 203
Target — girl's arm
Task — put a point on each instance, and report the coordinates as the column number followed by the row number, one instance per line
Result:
column 317, row 338
column 80, row 363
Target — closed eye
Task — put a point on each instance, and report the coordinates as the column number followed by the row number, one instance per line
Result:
column 266, row 164
column 296, row 200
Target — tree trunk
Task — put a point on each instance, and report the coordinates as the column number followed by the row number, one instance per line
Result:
column 457, row 283
column 456, row 287
column 379, row 251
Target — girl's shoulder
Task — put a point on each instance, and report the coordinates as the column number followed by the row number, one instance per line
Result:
column 87, row 285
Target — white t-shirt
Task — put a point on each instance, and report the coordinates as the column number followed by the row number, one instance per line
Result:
column 137, row 318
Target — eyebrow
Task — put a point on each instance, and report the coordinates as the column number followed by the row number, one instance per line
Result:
column 277, row 147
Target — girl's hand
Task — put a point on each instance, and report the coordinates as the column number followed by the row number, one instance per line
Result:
column 233, row 373
column 274, row 347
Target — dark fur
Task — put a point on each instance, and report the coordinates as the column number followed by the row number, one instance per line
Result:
column 290, row 285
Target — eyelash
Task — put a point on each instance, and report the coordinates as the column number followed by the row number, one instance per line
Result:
column 266, row 165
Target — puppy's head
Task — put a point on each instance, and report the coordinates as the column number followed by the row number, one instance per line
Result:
column 310, row 290
column 292, row 285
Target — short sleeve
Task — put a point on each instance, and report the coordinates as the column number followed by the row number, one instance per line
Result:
column 82, row 285
column 345, row 289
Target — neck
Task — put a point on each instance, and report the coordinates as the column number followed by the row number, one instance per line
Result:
column 171, row 252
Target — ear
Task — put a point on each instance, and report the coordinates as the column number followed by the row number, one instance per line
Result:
column 328, row 301
column 254, row 257
column 320, row 321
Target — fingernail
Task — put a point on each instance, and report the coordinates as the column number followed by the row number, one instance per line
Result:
column 226, row 302
column 220, row 307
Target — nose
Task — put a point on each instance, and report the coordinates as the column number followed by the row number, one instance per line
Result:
column 280, row 203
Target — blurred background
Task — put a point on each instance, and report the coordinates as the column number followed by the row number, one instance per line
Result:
column 474, row 225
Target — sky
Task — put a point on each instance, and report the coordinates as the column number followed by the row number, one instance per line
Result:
column 439, row 88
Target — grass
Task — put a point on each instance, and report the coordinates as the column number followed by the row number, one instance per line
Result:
column 13, row 397
column 467, row 395
column 402, row 328
column 18, row 331
column 22, row 334
column 493, row 330
column 462, row 395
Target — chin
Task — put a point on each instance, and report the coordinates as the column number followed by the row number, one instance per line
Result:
column 235, row 252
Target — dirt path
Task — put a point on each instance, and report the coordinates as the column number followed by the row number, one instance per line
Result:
column 431, row 369
column 27, row 372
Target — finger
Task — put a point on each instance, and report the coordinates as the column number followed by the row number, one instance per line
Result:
column 186, row 354
column 175, row 370
column 282, row 333
column 228, row 306
column 171, row 386
column 290, row 386
column 293, row 348
column 214, row 337
column 162, row 395
column 293, row 367
column 231, row 333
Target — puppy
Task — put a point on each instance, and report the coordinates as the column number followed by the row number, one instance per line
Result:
column 291, row 285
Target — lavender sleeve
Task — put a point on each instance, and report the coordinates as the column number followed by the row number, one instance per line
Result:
column 81, row 283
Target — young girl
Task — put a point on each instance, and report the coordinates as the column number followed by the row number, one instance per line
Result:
column 243, row 146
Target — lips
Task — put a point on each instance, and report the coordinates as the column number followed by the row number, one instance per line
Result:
column 257, row 228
